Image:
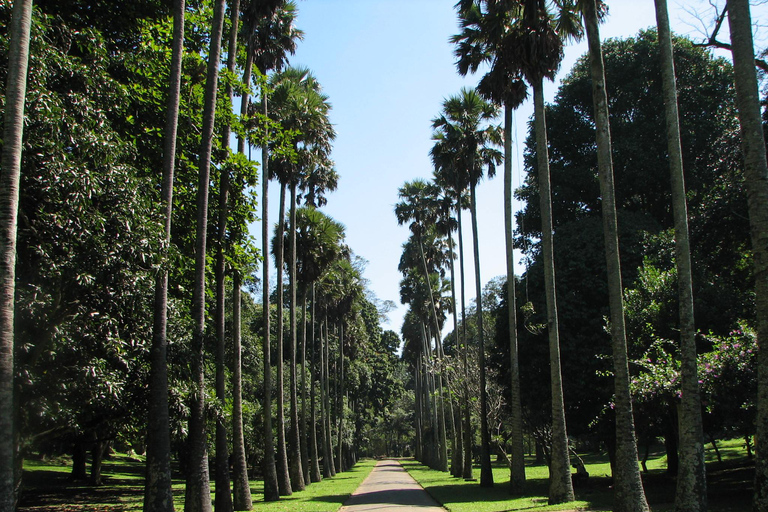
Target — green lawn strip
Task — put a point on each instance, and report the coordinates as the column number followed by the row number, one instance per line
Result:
column 48, row 487
column 328, row 495
column 458, row 495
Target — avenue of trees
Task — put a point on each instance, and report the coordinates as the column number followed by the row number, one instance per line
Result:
column 130, row 317
column 139, row 313
column 637, row 316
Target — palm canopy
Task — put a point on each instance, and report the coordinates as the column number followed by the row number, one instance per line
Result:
column 465, row 140
column 300, row 107
column 517, row 39
column 319, row 242
column 268, row 27
column 418, row 204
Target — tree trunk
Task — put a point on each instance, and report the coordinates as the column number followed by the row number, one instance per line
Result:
column 198, row 492
column 691, row 492
column 271, row 487
column 486, row 473
column 419, row 452
column 15, row 93
column 560, row 485
column 517, row 454
column 315, row 465
column 241, row 486
column 468, row 437
column 223, row 500
column 457, row 459
column 756, row 180
column 340, row 403
column 79, row 458
column 628, row 486
column 329, row 467
column 294, row 441
column 97, row 456
column 158, row 494
column 305, row 463
column 283, row 476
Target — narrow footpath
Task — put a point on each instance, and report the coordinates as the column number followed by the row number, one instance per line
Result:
column 390, row 487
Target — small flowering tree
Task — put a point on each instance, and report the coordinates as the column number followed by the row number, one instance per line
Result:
column 728, row 385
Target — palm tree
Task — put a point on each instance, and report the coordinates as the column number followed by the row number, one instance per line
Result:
column 158, row 495
column 419, row 203
column 271, row 37
column 628, row 488
column 318, row 244
column 301, row 107
column 223, row 493
column 756, row 180
column 691, row 476
column 481, row 41
column 449, row 179
column 15, row 94
column 198, row 494
column 463, row 129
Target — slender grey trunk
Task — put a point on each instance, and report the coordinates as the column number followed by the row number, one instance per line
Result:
column 240, row 484
column 560, row 485
column 294, row 442
column 692, row 474
column 517, row 455
column 271, row 487
column 468, row 437
column 486, row 472
column 198, row 492
column 756, row 180
column 223, row 500
column 283, row 476
column 329, row 462
column 628, row 486
column 158, row 495
column 340, row 397
column 305, row 462
column 315, row 465
column 457, row 459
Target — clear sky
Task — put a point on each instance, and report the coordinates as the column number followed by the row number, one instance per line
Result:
column 386, row 66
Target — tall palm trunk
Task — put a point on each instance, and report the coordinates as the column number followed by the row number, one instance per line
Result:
column 10, row 174
column 340, row 403
column 756, row 180
column 271, row 487
column 486, row 473
column 223, row 494
column 560, row 485
column 158, row 496
column 294, row 441
column 198, row 493
column 692, row 475
column 419, row 451
column 328, row 462
column 517, row 466
column 283, row 476
column 241, row 487
column 468, row 438
column 628, row 487
column 315, row 464
column 305, row 462
column 457, row 459
column 442, row 454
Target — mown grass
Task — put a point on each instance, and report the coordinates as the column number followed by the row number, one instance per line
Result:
column 48, row 487
column 729, row 485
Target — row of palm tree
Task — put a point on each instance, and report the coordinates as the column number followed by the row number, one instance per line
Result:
column 522, row 41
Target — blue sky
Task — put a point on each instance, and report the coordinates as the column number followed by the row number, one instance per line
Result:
column 386, row 66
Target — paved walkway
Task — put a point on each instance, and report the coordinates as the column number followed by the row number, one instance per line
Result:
column 390, row 487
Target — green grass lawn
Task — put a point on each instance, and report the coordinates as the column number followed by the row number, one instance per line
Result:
column 730, row 485
column 48, row 488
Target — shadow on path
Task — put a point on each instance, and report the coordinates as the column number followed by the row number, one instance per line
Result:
column 390, row 487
